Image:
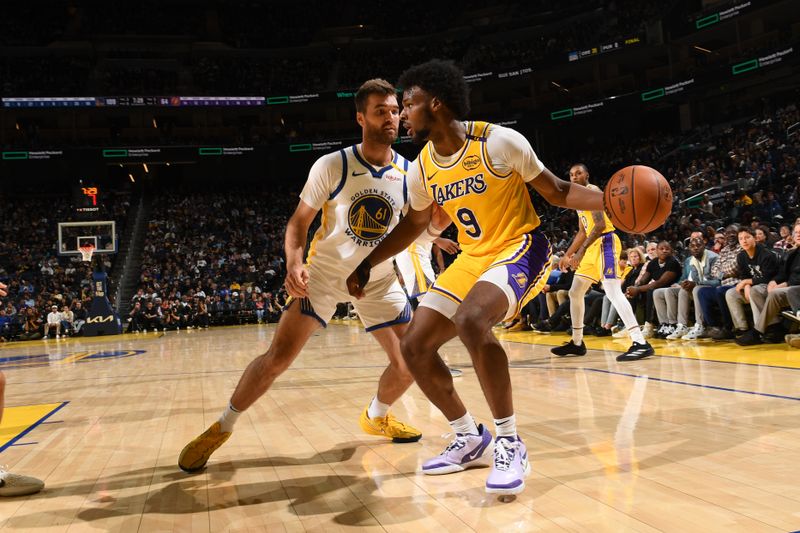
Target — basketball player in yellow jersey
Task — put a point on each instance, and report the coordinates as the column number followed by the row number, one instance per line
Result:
column 478, row 173
column 14, row 484
column 594, row 255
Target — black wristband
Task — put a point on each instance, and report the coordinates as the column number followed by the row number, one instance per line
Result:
column 362, row 272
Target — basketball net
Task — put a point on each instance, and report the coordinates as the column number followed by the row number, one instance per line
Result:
column 86, row 252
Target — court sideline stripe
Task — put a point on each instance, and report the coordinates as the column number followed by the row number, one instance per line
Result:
column 667, row 356
column 663, row 380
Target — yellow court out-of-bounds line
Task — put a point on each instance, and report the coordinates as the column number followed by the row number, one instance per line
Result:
column 776, row 355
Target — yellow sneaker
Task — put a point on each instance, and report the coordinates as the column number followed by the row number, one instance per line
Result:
column 17, row 485
column 195, row 455
column 388, row 426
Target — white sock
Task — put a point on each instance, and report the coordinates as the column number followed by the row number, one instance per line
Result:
column 577, row 306
column 506, row 427
column 465, row 425
column 377, row 408
column 577, row 335
column 613, row 288
column 228, row 419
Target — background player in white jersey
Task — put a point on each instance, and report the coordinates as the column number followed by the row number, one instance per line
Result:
column 361, row 191
column 14, row 484
column 415, row 262
column 594, row 255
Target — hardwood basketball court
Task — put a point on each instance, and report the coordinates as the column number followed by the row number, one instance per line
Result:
column 702, row 437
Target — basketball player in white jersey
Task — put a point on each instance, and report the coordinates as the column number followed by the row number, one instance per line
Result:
column 14, row 484
column 361, row 191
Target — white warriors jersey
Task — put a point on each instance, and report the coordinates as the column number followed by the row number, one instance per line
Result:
column 360, row 204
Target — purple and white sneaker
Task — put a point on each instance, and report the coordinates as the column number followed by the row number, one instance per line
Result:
column 465, row 451
column 510, row 468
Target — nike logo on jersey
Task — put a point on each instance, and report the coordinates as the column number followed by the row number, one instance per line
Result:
column 432, row 175
column 358, row 173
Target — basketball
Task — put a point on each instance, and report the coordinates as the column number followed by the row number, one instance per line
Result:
column 637, row 199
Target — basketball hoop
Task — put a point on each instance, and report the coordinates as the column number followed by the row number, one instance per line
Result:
column 86, row 251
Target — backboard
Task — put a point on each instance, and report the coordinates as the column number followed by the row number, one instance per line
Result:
column 101, row 233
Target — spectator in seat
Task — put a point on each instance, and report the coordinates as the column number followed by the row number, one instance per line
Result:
column 53, row 321
column 32, row 325
column 67, row 321
column 659, row 272
column 80, row 314
column 152, row 317
column 781, row 292
column 712, row 297
column 201, row 316
column 136, row 318
column 673, row 303
column 786, row 242
column 186, row 320
column 757, row 266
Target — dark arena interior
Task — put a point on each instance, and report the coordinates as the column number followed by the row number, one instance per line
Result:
column 268, row 209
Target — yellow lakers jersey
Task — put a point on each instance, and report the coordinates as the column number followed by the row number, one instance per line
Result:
column 491, row 210
column 587, row 221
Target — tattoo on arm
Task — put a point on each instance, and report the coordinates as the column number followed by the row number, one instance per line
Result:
column 599, row 226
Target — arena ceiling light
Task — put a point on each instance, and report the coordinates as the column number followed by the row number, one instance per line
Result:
column 701, row 49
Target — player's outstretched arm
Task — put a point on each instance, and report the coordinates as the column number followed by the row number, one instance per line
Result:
column 294, row 245
column 407, row 230
column 561, row 193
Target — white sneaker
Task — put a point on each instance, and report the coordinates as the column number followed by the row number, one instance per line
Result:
column 58, row 336
column 694, row 333
column 648, row 330
column 17, row 485
column 680, row 331
column 620, row 332
column 45, row 337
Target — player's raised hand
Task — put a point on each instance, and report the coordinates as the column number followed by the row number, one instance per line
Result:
column 297, row 281
column 358, row 279
column 3, row 291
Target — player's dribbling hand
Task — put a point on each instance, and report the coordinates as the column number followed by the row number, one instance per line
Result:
column 3, row 288
column 563, row 263
column 358, row 279
column 297, row 281
column 575, row 260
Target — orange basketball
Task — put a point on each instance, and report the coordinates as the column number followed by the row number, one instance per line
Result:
column 637, row 199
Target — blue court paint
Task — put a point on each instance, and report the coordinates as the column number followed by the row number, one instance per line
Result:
column 32, row 427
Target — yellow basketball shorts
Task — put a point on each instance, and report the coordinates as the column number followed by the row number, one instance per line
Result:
column 520, row 270
column 601, row 260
